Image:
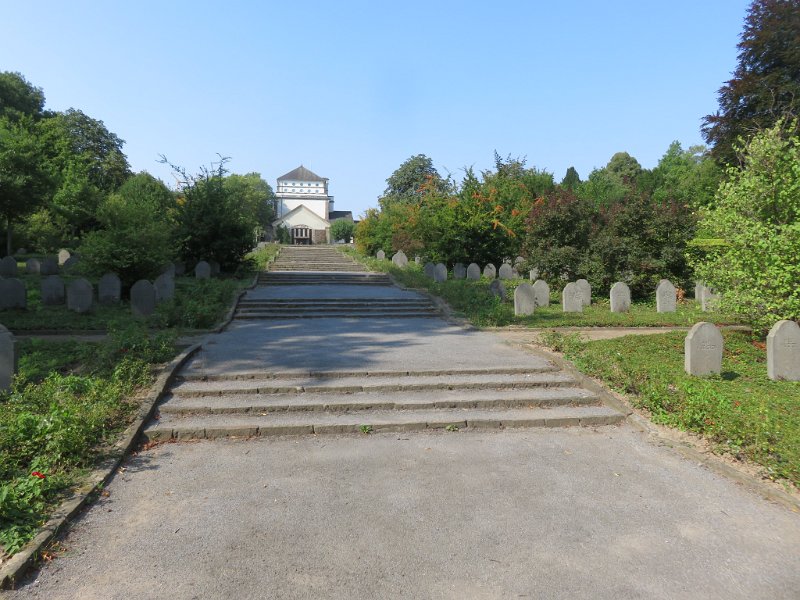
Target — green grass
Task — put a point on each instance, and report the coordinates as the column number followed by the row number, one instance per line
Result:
column 742, row 412
column 472, row 300
column 69, row 402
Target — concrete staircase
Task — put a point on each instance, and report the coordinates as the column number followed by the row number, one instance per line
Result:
column 274, row 403
column 317, row 308
column 314, row 258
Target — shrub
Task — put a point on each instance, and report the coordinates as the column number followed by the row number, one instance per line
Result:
column 342, row 229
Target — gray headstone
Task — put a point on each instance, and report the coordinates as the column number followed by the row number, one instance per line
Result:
column 400, row 259
column 202, row 270
column 8, row 359
column 783, row 351
column 439, row 273
column 518, row 261
column 541, row 292
column 143, row 298
column 109, row 289
column 533, row 274
column 459, row 271
column 215, row 268
column 698, row 290
column 417, row 259
column 473, row 271
column 63, row 256
column 32, row 266
column 428, row 269
column 586, row 290
column 572, row 298
column 524, row 299
column 505, row 272
column 169, row 269
column 489, row 271
column 8, row 266
column 49, row 266
column 70, row 263
column 498, row 289
column 703, row 350
column 380, row 255
column 13, row 294
column 620, row 297
column 666, row 298
column 80, row 296
column 165, row 287
column 52, row 290
column 180, row 268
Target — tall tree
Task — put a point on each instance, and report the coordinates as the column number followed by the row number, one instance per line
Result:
column 766, row 83
column 19, row 97
column 571, row 179
column 409, row 181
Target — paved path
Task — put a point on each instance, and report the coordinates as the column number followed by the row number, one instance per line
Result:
column 582, row 512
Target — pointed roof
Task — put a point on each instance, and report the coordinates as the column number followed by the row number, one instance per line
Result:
column 301, row 174
column 307, row 214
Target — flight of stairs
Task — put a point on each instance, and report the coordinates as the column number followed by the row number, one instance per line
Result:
column 316, row 308
column 318, row 265
column 285, row 403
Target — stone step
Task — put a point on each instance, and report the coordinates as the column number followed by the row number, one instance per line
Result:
column 187, row 375
column 365, row 401
column 333, row 310
column 393, row 383
column 343, row 302
column 171, row 426
column 346, row 315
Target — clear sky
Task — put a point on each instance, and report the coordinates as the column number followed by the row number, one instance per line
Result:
column 351, row 89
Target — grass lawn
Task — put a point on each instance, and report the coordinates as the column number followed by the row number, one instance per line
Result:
column 741, row 412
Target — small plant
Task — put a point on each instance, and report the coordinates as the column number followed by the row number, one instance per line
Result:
column 451, row 427
column 366, row 429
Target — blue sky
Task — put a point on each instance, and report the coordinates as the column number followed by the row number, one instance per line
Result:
column 352, row 89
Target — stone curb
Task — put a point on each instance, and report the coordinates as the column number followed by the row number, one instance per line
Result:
column 686, row 450
column 232, row 310
column 18, row 564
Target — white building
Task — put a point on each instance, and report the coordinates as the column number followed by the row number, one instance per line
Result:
column 304, row 207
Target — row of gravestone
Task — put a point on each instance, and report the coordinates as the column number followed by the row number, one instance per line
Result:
column 50, row 266
column 704, row 345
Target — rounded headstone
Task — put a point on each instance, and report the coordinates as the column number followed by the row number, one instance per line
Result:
column 519, row 261
column 505, row 272
column 666, row 297
column 783, row 351
column 48, row 266
column 32, row 266
column 439, row 273
column 165, row 287
column 63, row 256
column 8, row 359
column 109, row 289
column 541, row 292
column 703, row 350
column 428, row 269
column 586, row 291
column 70, row 263
column 572, row 298
column 52, row 290
column 524, row 299
column 8, row 266
column 80, row 296
column 202, row 270
column 380, row 255
column 497, row 289
column 400, row 259
column 13, row 294
column 473, row 271
column 620, row 297
column 489, row 271
column 459, row 271
column 143, row 298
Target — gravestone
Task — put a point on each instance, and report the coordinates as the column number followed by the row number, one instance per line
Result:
column 533, row 274
column 52, row 290
column 202, row 270
column 666, row 299
column 708, row 299
column 8, row 266
column 70, row 263
column 489, row 271
column 165, row 287
column 169, row 269
column 180, row 268
column 498, row 289
column 459, row 271
column 49, row 266
column 80, row 296
column 417, row 259
column 8, row 359
column 439, row 273
column 620, row 297
column 428, row 269
column 381, row 255
column 143, row 298
column 698, row 290
column 783, row 351
column 215, row 268
column 703, row 350
column 506, row 272
column 32, row 266
column 400, row 259
column 572, row 298
column 541, row 293
column 518, row 262
column 109, row 289
column 21, row 251
column 586, row 290
column 63, row 256
column 473, row 271
column 13, row 294
column 524, row 299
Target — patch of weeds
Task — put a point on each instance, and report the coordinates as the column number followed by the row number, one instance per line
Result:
column 366, row 429
column 451, row 427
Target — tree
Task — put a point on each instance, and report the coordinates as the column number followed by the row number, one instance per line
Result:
column 765, row 87
column 624, row 166
column 19, row 97
column 255, row 193
column 342, row 229
column 690, row 176
column 407, row 182
column 756, row 223
column 571, row 179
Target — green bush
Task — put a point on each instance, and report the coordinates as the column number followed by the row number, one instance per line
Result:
column 342, row 229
